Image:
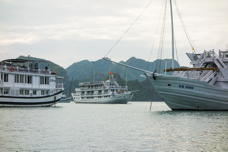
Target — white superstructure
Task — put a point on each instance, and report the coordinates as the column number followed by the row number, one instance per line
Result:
column 108, row 91
column 23, row 83
column 203, row 87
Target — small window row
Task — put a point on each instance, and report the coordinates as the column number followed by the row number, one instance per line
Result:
column 4, row 77
column 19, row 78
column 33, row 92
column 44, row 80
column 4, row 91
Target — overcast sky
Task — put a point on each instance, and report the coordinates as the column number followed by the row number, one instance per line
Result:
column 67, row 31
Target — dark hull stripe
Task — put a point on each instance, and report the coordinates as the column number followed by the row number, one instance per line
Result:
column 124, row 102
column 31, row 97
column 29, row 103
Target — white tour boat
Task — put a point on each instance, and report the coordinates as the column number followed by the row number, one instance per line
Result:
column 23, row 83
column 108, row 91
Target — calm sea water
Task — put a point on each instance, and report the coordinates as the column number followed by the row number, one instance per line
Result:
column 114, row 128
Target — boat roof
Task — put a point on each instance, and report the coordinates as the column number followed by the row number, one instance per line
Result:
column 18, row 60
column 91, row 83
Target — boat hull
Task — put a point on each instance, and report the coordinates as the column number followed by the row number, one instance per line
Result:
column 117, row 99
column 42, row 101
column 187, row 94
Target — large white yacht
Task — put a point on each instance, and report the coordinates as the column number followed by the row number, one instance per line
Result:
column 23, row 83
column 201, row 87
column 108, row 91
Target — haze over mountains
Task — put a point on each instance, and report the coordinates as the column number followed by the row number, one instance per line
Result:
column 97, row 70
column 89, row 70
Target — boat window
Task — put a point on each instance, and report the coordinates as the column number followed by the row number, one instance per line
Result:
column 22, row 78
column 28, row 79
column 26, row 92
column 34, row 92
column 21, row 92
column 44, row 80
column 42, row 92
column 6, row 77
column 89, row 92
column 41, row 80
column 6, row 91
column 47, row 91
column 1, row 76
column 181, row 86
column 16, row 78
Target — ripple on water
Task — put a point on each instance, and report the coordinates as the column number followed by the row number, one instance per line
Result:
column 131, row 127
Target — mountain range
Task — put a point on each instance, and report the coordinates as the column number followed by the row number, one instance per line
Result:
column 97, row 70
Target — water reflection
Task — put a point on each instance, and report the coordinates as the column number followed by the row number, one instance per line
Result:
column 195, row 130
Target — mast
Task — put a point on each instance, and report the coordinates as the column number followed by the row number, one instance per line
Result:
column 172, row 29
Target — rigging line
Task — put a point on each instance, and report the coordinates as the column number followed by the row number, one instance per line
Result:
column 153, row 39
column 175, row 45
column 161, row 43
column 184, row 27
column 129, row 27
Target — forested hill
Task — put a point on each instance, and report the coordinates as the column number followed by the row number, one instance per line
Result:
column 97, row 70
column 90, row 70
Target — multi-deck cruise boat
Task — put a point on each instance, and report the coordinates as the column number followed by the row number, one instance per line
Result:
column 108, row 91
column 23, row 83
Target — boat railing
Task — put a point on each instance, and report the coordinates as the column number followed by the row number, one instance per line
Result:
column 223, row 54
column 118, row 87
column 205, row 57
column 91, row 83
column 59, row 85
column 92, row 95
column 27, row 70
column 188, row 74
column 208, row 76
column 92, row 88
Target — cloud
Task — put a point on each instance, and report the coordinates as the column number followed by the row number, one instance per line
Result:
column 87, row 29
